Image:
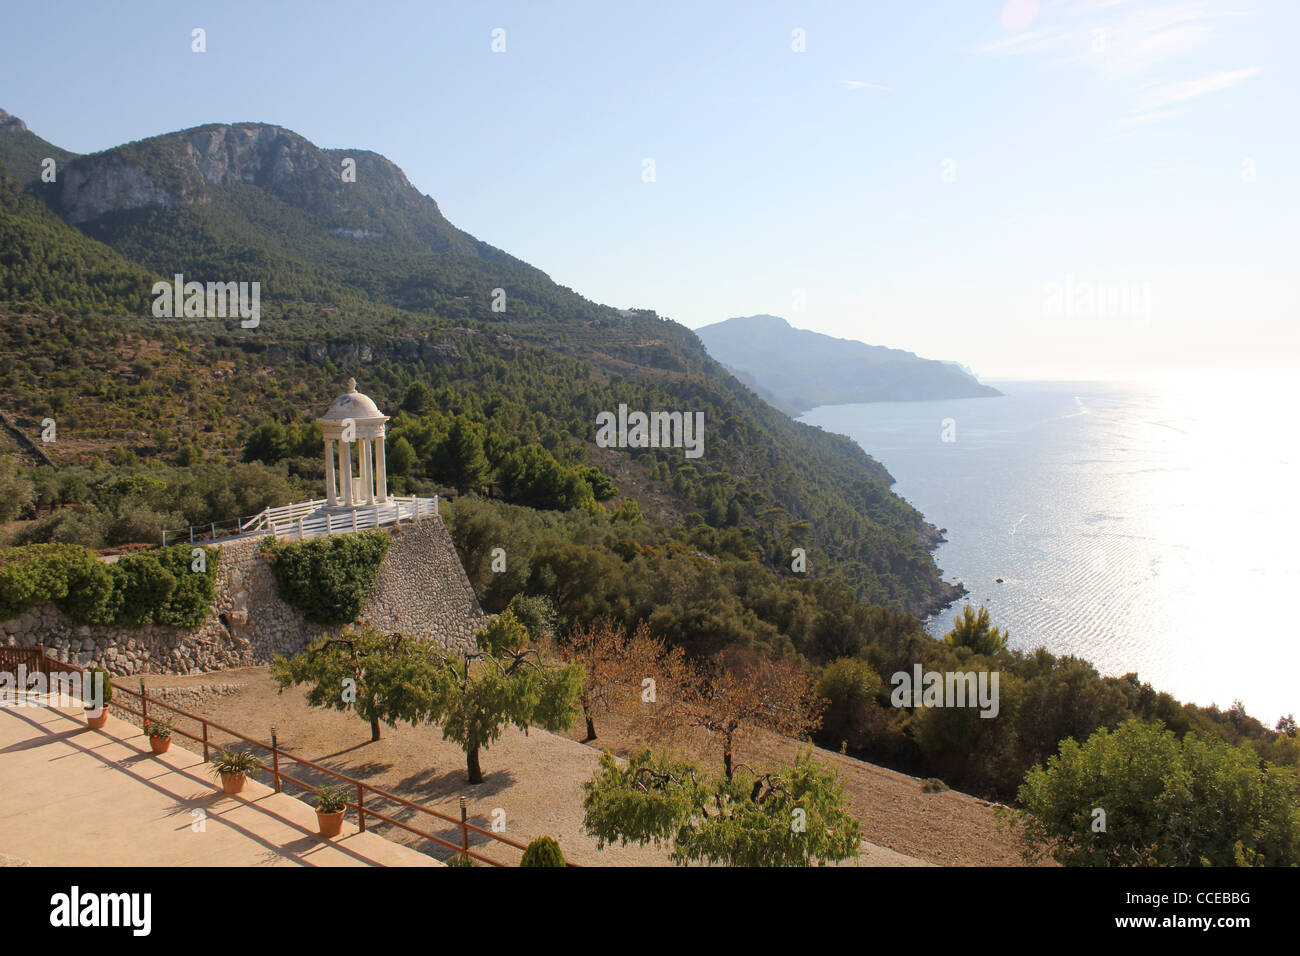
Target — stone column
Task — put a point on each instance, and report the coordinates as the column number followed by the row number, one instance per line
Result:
column 367, row 474
column 331, row 492
column 345, row 468
column 381, row 470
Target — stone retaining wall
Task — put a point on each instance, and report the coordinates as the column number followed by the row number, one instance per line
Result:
column 421, row 589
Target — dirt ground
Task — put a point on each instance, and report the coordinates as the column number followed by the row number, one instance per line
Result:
column 532, row 783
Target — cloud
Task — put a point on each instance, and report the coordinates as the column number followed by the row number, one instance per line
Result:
column 863, row 85
column 1124, row 43
column 1168, row 94
column 1154, row 116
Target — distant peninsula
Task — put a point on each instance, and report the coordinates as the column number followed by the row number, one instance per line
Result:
column 796, row 370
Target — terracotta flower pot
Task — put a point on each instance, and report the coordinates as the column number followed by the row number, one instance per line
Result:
column 94, row 723
column 232, row 782
column 330, row 824
column 160, row 744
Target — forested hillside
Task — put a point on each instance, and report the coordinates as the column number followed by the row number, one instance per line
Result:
column 367, row 278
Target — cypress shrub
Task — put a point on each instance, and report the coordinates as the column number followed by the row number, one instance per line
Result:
column 543, row 851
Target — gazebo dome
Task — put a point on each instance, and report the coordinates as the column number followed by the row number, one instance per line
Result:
column 354, row 420
column 352, row 404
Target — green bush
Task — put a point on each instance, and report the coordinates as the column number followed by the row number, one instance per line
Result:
column 107, row 684
column 1138, row 796
column 543, row 852
column 150, row 587
column 328, row 579
column 145, row 586
column 67, row 575
column 65, row 526
column 460, row 859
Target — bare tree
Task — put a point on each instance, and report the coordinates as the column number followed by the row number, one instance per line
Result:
column 727, row 699
column 623, row 671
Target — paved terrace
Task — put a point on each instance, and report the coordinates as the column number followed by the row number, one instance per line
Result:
column 72, row 796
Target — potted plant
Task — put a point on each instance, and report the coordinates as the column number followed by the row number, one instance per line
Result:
column 99, row 720
column 331, row 804
column 233, row 767
column 159, row 730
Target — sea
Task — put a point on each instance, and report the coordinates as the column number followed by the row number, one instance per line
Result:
column 1144, row 526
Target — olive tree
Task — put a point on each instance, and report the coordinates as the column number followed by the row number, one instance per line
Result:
column 474, row 696
column 792, row 818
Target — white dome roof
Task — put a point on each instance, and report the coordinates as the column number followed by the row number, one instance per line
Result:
column 352, row 404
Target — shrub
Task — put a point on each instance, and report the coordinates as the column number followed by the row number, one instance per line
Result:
column 536, row 613
column 107, row 683
column 160, row 587
column 328, row 579
column 933, row 785
column 65, row 526
column 192, row 597
column 332, row 799
column 543, row 851
column 460, row 859
column 849, row 687
column 145, row 585
column 159, row 726
column 231, row 761
column 1138, row 796
column 66, row 575
column 151, row 587
column 16, row 490
column 138, row 523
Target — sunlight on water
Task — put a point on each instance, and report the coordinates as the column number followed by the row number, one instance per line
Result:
column 1144, row 526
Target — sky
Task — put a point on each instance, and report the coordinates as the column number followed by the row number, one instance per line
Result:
column 1033, row 188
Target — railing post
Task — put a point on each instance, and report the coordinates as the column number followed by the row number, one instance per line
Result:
column 275, row 760
column 329, row 524
column 144, row 702
column 464, row 830
column 191, row 535
column 205, row 742
column 361, row 807
column 214, row 531
column 354, row 520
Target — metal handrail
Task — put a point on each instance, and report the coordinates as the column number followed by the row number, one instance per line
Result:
column 278, row 775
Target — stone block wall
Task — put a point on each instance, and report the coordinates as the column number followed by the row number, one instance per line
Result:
column 422, row 590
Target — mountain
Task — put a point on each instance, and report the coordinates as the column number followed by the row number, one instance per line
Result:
column 22, row 152
column 797, row 369
column 255, row 202
column 367, row 278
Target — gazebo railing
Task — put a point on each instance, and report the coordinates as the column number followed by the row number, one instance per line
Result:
column 305, row 520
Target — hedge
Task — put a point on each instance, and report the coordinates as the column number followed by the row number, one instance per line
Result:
column 328, row 579
column 150, row 587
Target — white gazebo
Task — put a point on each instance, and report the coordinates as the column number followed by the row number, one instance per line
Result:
column 352, row 502
column 353, row 419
